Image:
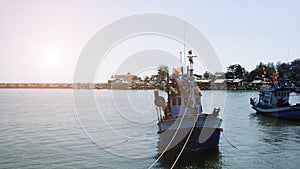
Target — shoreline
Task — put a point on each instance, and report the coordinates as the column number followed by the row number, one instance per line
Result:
column 93, row 86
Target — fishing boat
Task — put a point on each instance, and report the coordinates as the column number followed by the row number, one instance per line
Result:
column 275, row 101
column 182, row 125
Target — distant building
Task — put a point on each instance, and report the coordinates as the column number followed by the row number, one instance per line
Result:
column 204, row 84
column 121, row 81
column 255, row 84
column 236, row 84
column 219, row 84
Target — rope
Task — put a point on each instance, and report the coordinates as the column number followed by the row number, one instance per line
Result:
column 184, row 145
column 125, row 141
column 181, row 120
column 228, row 141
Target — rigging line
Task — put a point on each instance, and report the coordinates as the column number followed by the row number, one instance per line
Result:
column 125, row 141
column 188, row 138
column 228, row 141
column 180, row 123
column 184, row 46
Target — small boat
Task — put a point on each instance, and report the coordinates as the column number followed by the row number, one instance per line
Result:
column 181, row 123
column 275, row 101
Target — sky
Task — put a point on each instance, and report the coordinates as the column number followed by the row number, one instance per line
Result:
column 42, row 40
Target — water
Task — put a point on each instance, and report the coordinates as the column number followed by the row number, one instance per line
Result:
column 117, row 129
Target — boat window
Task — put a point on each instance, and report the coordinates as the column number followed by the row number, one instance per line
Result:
column 174, row 101
column 179, row 101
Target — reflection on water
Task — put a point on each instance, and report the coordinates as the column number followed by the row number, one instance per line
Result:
column 270, row 121
column 277, row 134
column 210, row 158
column 40, row 128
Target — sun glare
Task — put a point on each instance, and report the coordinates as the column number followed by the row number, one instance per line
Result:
column 52, row 56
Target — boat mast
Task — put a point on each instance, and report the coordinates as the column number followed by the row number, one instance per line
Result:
column 191, row 77
column 168, row 92
column 181, row 65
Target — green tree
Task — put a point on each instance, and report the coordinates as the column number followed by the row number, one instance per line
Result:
column 295, row 74
column 162, row 73
column 256, row 73
column 236, row 71
column 284, row 69
column 153, row 77
column 134, row 78
column 146, row 79
column 219, row 75
column 208, row 75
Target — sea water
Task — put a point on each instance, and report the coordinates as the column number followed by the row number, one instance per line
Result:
column 62, row 128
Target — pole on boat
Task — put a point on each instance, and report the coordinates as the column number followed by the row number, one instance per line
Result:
column 158, row 116
column 181, row 66
column 168, row 91
column 160, row 105
column 180, row 53
column 192, row 93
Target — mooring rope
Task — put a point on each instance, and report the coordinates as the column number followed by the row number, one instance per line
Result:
column 228, row 141
column 127, row 140
column 188, row 138
column 160, row 156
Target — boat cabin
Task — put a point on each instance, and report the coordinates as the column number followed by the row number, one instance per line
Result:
column 179, row 103
column 274, row 97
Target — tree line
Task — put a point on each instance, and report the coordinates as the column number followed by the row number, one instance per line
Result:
column 289, row 71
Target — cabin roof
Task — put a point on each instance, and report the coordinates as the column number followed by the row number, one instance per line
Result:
column 272, row 89
column 257, row 81
column 237, row 80
column 219, row 80
column 203, row 80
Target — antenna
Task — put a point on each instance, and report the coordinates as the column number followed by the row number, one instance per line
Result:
column 184, row 34
column 181, row 66
column 180, row 53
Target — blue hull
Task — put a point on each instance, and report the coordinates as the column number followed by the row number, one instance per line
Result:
column 284, row 115
column 285, row 112
column 194, row 144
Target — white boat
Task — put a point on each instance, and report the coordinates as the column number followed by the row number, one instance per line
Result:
column 275, row 101
column 181, row 122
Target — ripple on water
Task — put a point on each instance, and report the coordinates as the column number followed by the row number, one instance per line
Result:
column 39, row 129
